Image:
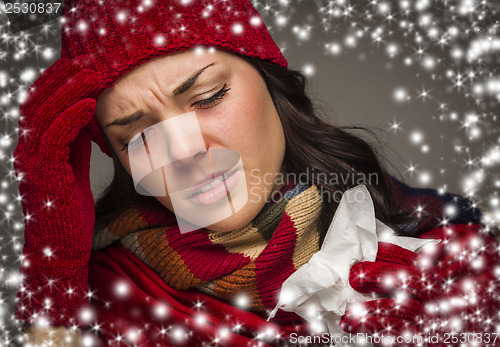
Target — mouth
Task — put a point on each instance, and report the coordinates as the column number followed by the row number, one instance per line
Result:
column 209, row 184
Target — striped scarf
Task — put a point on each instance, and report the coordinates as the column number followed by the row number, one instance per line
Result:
column 245, row 267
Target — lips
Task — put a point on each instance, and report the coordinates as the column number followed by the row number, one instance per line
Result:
column 208, row 183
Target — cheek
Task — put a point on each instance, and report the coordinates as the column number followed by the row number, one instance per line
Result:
column 254, row 108
column 246, row 121
column 261, row 128
column 125, row 162
column 122, row 155
column 164, row 200
column 251, row 126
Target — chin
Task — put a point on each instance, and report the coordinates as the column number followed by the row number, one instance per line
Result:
column 236, row 221
column 228, row 224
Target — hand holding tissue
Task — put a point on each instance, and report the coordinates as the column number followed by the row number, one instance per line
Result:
column 320, row 288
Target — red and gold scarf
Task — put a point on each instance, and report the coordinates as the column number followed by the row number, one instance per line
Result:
column 244, row 267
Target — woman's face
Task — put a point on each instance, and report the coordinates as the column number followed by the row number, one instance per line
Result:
column 235, row 115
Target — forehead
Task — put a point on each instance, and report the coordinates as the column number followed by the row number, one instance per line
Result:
column 165, row 72
column 175, row 68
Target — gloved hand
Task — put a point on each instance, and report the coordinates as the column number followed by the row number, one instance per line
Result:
column 438, row 291
column 52, row 161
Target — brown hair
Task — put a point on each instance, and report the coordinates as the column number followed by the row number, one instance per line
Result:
column 312, row 145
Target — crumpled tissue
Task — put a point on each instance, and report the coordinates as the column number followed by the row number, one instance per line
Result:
column 320, row 288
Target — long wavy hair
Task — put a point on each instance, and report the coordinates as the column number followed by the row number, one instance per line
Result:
column 314, row 148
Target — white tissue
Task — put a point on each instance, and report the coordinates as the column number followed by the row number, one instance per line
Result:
column 321, row 287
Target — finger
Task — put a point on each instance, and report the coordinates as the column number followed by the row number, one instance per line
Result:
column 391, row 253
column 53, row 78
column 406, row 309
column 478, row 294
column 48, row 82
column 388, row 279
column 466, row 252
column 97, row 135
column 79, row 153
column 65, row 129
column 456, row 241
column 74, row 89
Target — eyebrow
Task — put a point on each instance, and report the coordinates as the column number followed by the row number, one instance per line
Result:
column 190, row 81
column 122, row 121
column 184, row 87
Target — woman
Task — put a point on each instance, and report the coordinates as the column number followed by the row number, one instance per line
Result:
column 200, row 90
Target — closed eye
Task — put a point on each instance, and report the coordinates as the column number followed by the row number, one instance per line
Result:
column 136, row 141
column 213, row 100
column 205, row 103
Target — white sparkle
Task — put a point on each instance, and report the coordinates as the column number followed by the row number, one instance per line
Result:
column 255, row 21
column 237, row 28
column 122, row 289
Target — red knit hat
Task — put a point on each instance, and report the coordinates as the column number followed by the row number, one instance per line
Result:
column 118, row 35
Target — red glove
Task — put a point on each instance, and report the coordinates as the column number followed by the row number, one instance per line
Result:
column 52, row 160
column 452, row 288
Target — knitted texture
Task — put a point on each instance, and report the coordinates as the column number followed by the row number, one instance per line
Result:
column 52, row 163
column 164, row 316
column 452, row 288
column 250, row 264
column 118, row 35
column 430, row 208
column 252, row 261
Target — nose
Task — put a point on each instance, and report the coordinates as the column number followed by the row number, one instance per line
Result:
column 185, row 141
column 184, row 153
